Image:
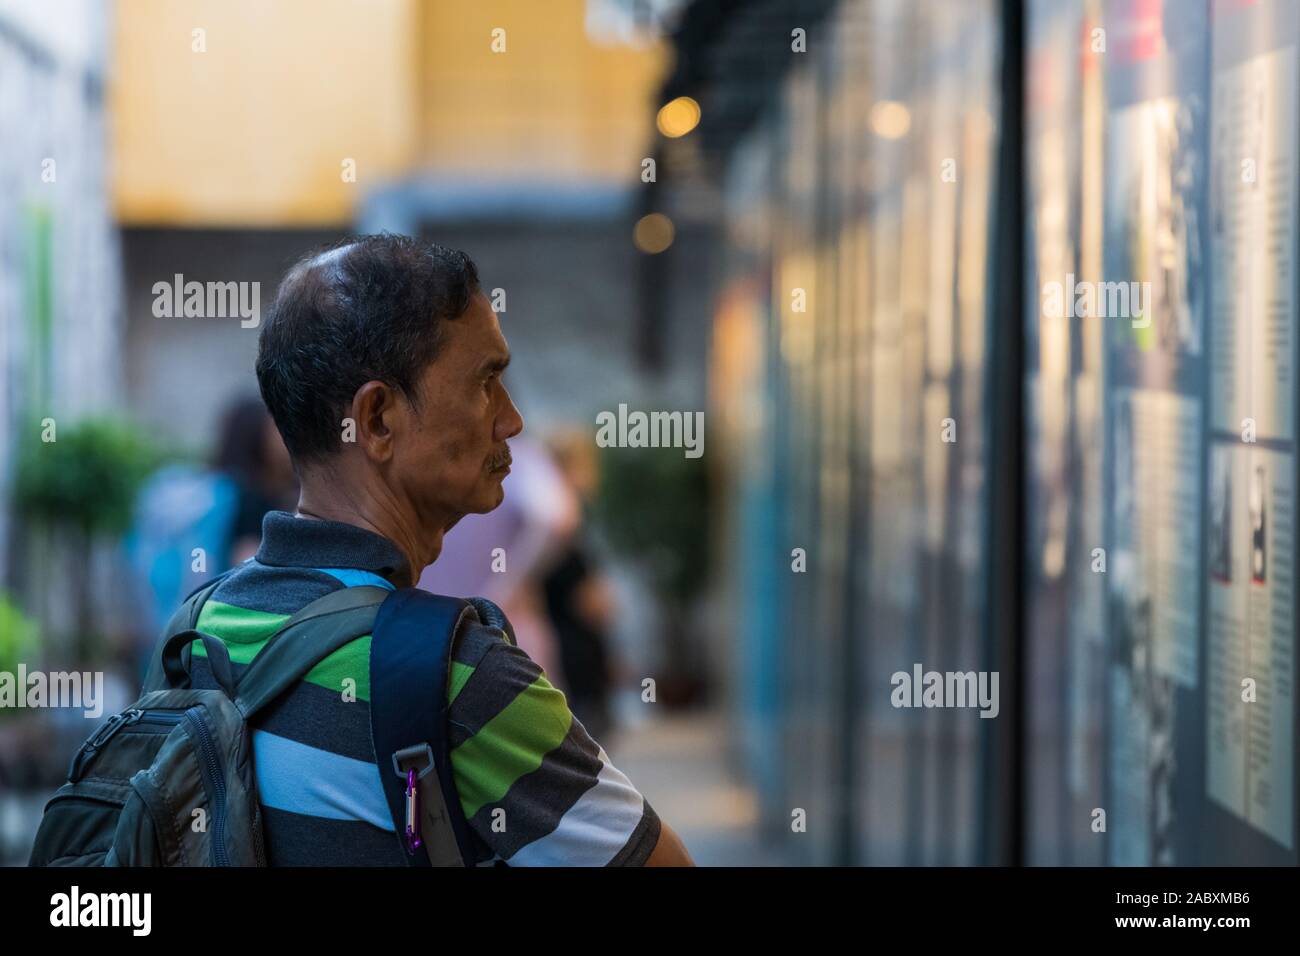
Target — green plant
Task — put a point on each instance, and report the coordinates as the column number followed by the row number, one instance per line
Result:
column 82, row 487
column 87, row 478
column 18, row 638
column 653, row 505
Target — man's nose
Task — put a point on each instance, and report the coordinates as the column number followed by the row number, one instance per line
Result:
column 510, row 423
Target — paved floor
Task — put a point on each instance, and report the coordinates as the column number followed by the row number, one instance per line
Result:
column 678, row 762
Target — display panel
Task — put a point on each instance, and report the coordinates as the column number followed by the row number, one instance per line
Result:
column 1160, row 145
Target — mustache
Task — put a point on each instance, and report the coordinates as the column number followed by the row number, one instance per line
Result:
column 500, row 461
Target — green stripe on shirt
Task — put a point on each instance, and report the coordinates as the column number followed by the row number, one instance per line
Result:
column 245, row 632
column 459, row 677
column 510, row 745
column 238, row 625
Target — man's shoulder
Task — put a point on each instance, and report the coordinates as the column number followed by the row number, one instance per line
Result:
column 474, row 640
column 489, row 674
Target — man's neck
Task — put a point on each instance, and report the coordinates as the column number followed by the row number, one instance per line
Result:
column 420, row 546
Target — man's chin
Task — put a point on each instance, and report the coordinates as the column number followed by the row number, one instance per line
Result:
column 491, row 500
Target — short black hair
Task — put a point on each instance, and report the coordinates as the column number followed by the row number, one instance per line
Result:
column 364, row 308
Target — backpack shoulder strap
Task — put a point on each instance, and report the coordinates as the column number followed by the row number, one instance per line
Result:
column 335, row 619
column 410, row 661
column 493, row 616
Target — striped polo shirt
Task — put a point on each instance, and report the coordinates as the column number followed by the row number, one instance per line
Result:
column 534, row 786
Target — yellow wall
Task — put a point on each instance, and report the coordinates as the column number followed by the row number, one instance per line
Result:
column 553, row 104
column 253, row 131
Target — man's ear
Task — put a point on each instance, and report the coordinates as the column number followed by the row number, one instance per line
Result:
column 375, row 414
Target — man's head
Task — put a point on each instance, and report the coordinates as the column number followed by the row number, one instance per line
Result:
column 381, row 364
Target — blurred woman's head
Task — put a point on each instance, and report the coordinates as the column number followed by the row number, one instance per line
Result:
column 574, row 452
column 249, row 449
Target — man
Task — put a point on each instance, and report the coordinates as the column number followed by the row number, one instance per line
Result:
column 381, row 363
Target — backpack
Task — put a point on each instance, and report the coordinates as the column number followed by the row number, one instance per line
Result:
column 169, row 781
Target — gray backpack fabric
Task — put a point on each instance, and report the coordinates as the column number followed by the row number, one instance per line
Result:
column 169, row 781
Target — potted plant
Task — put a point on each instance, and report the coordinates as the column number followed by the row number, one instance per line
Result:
column 653, row 507
column 80, row 488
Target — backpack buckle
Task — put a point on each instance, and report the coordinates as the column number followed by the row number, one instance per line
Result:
column 408, row 754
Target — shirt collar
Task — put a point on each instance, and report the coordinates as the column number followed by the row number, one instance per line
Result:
column 293, row 542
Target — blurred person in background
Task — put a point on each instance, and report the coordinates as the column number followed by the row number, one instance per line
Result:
column 193, row 522
column 251, row 455
column 579, row 598
column 500, row 555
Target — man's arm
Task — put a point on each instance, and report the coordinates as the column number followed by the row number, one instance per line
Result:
column 533, row 784
column 669, row 851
